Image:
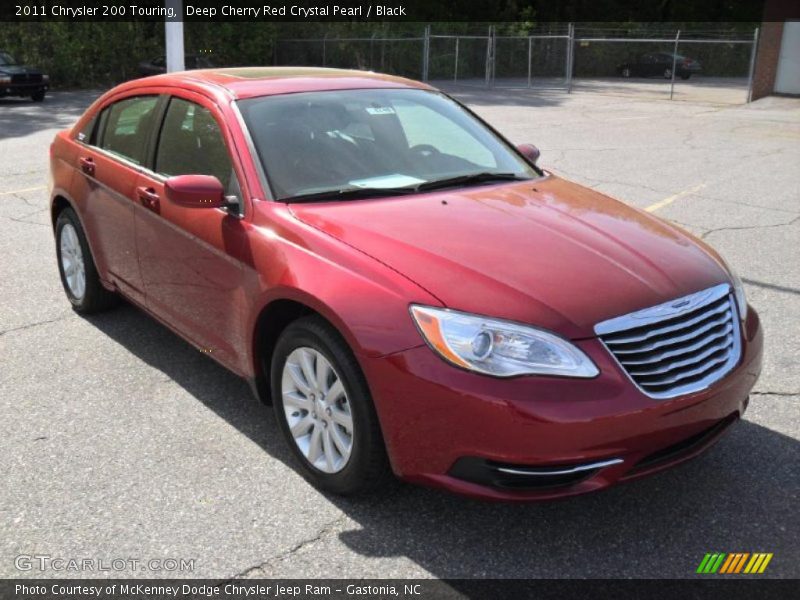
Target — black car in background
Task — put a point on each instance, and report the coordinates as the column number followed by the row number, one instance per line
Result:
column 158, row 65
column 19, row 80
column 659, row 64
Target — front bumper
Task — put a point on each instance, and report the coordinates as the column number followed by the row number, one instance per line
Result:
column 435, row 416
column 22, row 89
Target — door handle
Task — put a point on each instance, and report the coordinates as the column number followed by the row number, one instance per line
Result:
column 87, row 164
column 148, row 198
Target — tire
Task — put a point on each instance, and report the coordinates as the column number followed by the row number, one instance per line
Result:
column 667, row 73
column 38, row 96
column 685, row 76
column 626, row 73
column 85, row 293
column 365, row 467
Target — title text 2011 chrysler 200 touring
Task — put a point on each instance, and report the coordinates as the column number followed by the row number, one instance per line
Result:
column 412, row 292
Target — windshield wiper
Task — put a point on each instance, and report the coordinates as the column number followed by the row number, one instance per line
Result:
column 349, row 194
column 471, row 179
column 353, row 193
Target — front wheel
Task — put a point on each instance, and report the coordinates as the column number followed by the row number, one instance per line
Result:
column 626, row 73
column 76, row 266
column 325, row 411
column 668, row 73
column 685, row 76
column 38, row 96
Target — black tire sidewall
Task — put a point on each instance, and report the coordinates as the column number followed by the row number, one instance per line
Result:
column 313, row 333
column 94, row 290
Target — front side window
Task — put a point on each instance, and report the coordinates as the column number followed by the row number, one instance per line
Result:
column 372, row 139
column 127, row 128
column 191, row 143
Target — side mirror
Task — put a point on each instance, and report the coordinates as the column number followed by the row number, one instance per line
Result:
column 195, row 191
column 529, row 151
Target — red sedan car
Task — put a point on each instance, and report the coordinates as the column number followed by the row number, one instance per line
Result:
column 411, row 292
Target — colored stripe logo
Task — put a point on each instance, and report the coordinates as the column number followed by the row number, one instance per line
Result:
column 735, row 562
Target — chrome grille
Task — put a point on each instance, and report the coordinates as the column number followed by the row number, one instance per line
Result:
column 678, row 347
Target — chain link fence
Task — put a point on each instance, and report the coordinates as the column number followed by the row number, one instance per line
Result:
column 712, row 66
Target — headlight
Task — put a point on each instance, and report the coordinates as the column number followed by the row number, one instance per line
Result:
column 5, row 79
column 499, row 348
column 46, row 78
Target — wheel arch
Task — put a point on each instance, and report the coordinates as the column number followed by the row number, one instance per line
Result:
column 60, row 201
column 275, row 315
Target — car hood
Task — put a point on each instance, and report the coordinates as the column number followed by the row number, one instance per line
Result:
column 546, row 252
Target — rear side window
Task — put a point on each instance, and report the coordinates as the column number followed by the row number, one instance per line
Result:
column 128, row 124
column 191, row 143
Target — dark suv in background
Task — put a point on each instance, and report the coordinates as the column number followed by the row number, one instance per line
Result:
column 20, row 80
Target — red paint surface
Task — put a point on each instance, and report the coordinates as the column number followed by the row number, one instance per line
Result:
column 546, row 252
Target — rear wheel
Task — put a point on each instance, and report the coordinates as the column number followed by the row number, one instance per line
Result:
column 325, row 411
column 76, row 266
column 685, row 76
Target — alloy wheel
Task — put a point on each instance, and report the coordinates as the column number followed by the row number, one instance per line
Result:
column 317, row 410
column 72, row 261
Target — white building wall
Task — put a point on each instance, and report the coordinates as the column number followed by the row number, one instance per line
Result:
column 787, row 78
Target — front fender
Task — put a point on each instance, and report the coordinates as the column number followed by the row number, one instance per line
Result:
column 365, row 300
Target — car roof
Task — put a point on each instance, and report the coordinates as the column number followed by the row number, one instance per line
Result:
column 249, row 82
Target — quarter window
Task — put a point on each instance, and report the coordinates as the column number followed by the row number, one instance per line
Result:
column 127, row 127
column 86, row 135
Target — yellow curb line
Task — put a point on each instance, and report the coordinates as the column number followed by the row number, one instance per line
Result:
column 33, row 189
column 671, row 199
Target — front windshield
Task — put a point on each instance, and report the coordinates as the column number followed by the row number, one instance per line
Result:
column 371, row 139
column 7, row 59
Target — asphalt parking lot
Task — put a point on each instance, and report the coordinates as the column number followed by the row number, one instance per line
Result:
column 709, row 90
column 119, row 440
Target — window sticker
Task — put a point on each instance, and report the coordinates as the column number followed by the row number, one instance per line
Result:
column 380, row 110
column 386, row 181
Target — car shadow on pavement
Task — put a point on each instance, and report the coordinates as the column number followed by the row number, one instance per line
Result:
column 740, row 496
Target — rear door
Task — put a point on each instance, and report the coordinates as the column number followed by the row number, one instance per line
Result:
column 108, row 163
column 191, row 257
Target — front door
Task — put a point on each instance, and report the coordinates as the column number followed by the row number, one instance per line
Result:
column 190, row 257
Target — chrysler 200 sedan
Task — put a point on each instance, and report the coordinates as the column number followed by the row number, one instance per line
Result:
column 411, row 292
